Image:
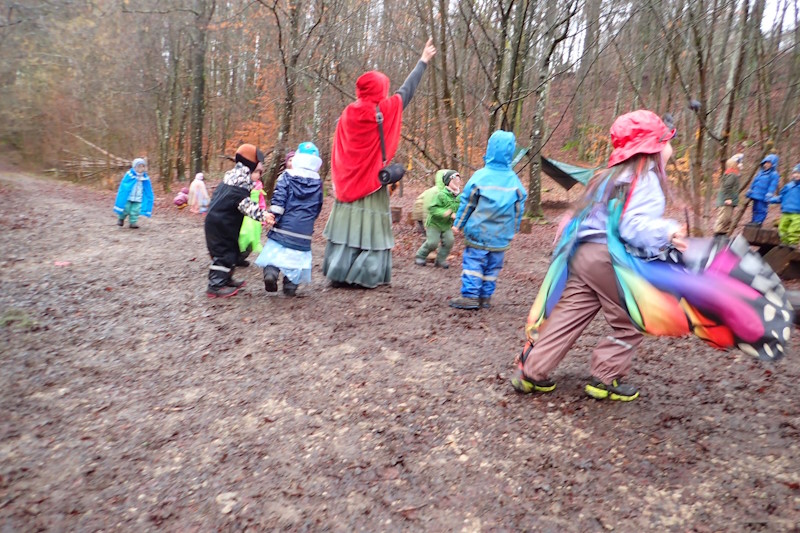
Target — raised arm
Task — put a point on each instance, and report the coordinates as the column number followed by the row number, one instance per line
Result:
column 406, row 91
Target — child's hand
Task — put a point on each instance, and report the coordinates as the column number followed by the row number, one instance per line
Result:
column 680, row 243
column 678, row 239
column 269, row 220
column 453, row 216
column 448, row 213
column 728, row 202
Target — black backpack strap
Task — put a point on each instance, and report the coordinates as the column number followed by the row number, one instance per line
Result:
column 379, row 119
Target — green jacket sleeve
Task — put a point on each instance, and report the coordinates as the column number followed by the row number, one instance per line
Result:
column 438, row 205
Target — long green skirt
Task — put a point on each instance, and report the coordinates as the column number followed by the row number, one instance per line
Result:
column 360, row 241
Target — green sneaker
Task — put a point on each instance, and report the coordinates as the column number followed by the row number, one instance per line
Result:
column 615, row 390
column 525, row 385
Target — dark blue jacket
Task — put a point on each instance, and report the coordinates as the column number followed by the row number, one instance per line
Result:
column 296, row 204
column 765, row 184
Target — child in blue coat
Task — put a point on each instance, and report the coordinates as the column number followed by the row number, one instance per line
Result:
column 789, row 198
column 490, row 212
column 135, row 195
column 296, row 204
column 764, row 187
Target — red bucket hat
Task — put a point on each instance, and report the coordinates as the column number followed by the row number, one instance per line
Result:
column 638, row 132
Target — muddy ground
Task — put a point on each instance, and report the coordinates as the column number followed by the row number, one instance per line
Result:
column 130, row 401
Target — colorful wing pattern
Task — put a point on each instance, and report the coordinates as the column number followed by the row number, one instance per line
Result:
column 733, row 299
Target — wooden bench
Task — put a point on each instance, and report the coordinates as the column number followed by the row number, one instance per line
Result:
column 784, row 260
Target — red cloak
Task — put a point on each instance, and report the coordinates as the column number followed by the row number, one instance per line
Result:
column 356, row 154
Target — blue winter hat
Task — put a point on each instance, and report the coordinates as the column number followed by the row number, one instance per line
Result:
column 138, row 161
column 307, row 148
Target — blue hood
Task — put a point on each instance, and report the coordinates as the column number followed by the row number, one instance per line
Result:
column 773, row 159
column 765, row 182
column 500, row 150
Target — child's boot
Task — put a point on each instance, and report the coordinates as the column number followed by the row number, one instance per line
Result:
column 465, row 303
column 219, row 279
column 289, row 288
column 485, row 302
column 271, row 275
column 120, row 222
column 221, row 292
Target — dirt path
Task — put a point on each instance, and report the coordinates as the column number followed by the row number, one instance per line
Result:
column 129, row 401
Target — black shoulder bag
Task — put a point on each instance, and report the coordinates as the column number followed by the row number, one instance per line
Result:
column 389, row 174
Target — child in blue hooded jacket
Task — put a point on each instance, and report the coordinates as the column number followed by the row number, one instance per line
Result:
column 135, row 195
column 764, row 187
column 490, row 212
column 296, row 204
column 789, row 198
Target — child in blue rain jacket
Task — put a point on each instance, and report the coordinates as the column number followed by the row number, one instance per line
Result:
column 764, row 187
column 789, row 198
column 489, row 214
column 135, row 195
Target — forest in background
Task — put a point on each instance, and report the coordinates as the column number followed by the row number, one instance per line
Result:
column 85, row 86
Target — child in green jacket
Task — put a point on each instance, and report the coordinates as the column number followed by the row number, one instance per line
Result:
column 439, row 224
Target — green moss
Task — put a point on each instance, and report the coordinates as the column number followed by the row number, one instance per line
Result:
column 18, row 319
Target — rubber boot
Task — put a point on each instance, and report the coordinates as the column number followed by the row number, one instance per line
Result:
column 219, row 277
column 271, row 275
column 289, row 288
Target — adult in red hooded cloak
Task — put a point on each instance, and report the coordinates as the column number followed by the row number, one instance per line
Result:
column 359, row 230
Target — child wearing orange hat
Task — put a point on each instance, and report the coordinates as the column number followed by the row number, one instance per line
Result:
column 229, row 205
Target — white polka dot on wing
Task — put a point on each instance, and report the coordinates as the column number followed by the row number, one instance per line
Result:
column 773, row 298
column 749, row 350
column 769, row 312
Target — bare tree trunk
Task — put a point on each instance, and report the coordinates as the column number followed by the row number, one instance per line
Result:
column 453, row 122
column 734, row 78
column 591, row 16
column 180, row 149
column 696, row 174
column 290, row 55
column 204, row 10
column 533, row 205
